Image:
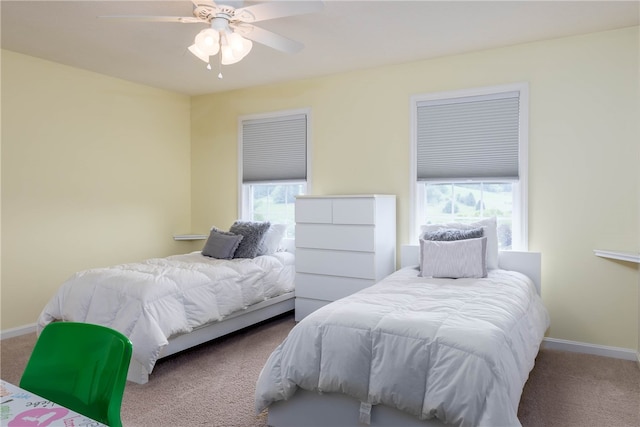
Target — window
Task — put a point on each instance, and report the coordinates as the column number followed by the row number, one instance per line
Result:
column 274, row 202
column 469, row 160
column 273, row 165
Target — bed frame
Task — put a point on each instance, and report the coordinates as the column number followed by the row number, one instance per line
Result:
column 311, row 409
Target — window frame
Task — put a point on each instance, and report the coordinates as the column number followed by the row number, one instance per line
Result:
column 244, row 193
column 520, row 227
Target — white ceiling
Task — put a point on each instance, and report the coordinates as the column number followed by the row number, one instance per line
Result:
column 346, row 35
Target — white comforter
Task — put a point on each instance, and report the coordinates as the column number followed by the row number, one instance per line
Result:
column 458, row 350
column 154, row 300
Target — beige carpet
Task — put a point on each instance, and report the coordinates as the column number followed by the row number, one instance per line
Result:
column 213, row 385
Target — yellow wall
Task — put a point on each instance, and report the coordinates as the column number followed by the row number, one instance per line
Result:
column 95, row 171
column 583, row 183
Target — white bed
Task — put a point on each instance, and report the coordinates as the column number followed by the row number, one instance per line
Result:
column 290, row 389
column 166, row 305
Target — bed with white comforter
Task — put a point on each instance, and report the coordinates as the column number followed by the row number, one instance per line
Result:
column 161, row 298
column 459, row 350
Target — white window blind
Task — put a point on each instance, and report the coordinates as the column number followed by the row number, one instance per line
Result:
column 274, row 149
column 472, row 137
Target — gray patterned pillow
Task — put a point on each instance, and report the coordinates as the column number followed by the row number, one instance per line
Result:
column 450, row 234
column 253, row 233
column 453, row 259
column 221, row 244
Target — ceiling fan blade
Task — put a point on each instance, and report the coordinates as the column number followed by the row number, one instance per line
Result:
column 268, row 38
column 277, row 9
column 182, row 19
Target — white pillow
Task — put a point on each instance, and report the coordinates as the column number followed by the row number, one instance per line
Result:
column 454, row 259
column 272, row 239
column 490, row 228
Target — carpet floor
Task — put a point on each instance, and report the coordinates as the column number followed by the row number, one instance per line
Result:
column 213, row 384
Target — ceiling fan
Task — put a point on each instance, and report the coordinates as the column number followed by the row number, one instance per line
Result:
column 231, row 28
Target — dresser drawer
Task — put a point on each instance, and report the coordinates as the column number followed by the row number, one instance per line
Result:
column 328, row 287
column 354, row 211
column 314, row 211
column 340, row 237
column 336, row 263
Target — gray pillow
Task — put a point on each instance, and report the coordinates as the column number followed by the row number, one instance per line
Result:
column 253, row 233
column 454, row 259
column 221, row 244
column 450, row 234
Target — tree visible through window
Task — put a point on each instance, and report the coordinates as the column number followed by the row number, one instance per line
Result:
column 469, row 202
column 274, row 202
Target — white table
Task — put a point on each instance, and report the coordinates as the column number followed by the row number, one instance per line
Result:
column 21, row 408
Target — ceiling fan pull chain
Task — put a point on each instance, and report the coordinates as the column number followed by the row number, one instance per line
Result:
column 220, row 67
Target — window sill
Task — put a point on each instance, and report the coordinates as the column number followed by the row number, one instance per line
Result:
column 619, row 255
column 189, row 237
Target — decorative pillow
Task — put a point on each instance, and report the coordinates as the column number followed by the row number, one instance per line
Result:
column 272, row 238
column 253, row 233
column 453, row 259
column 221, row 244
column 490, row 226
column 449, row 234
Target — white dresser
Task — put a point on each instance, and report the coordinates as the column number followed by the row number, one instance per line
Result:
column 343, row 244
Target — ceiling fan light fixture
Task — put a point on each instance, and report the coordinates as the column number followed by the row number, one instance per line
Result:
column 234, row 40
column 235, row 48
column 198, row 53
column 208, row 41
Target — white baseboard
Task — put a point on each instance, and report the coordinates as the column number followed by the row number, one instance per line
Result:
column 16, row 332
column 597, row 350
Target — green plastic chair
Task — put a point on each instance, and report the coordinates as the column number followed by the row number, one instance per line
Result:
column 82, row 367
